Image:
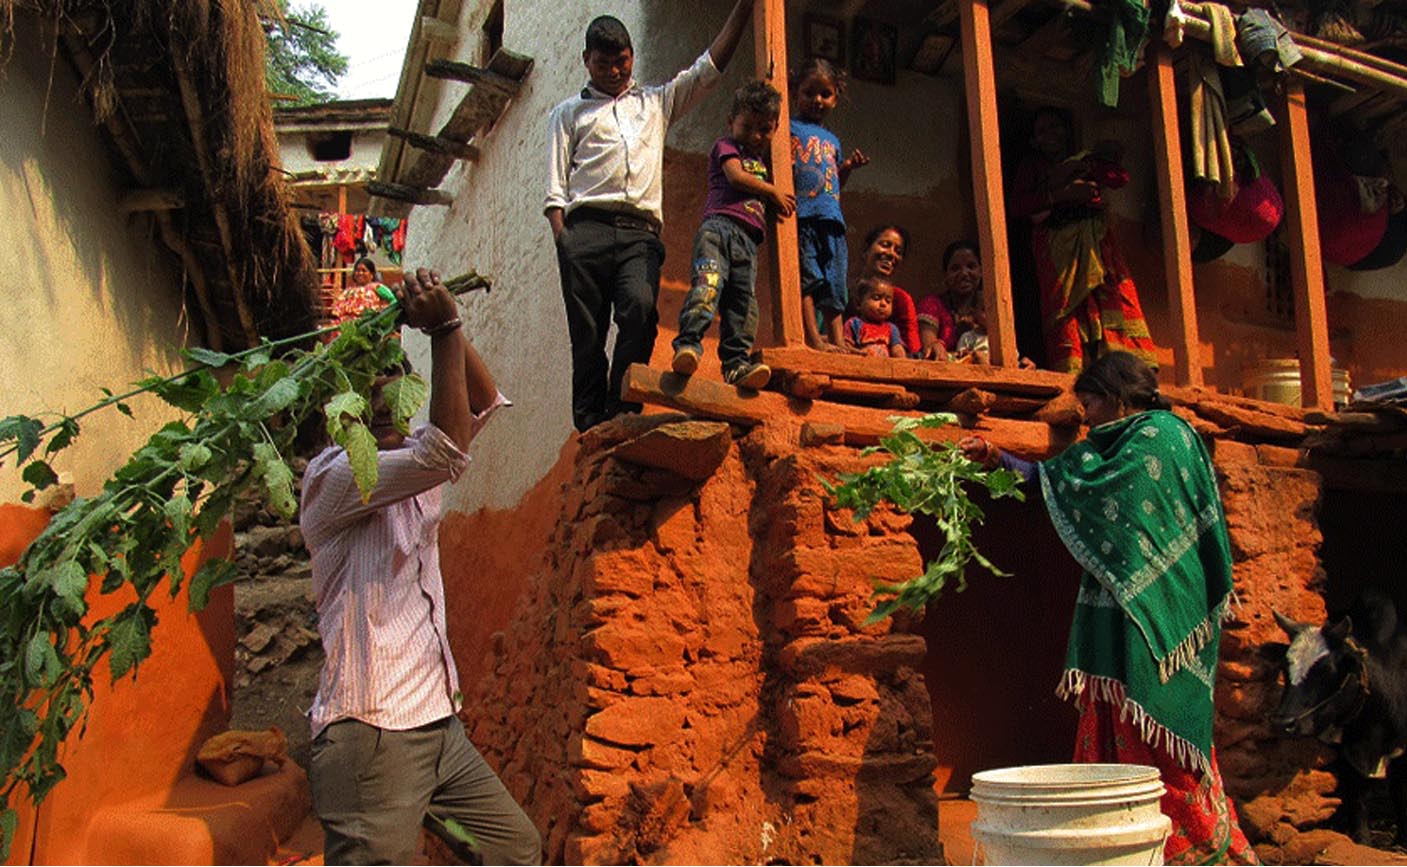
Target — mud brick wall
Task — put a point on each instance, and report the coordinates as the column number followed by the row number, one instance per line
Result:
column 689, row 679
column 1271, row 512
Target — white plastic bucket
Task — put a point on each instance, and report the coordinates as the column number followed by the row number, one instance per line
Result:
column 1069, row 814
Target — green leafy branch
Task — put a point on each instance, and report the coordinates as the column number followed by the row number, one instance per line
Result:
column 923, row 479
column 174, row 490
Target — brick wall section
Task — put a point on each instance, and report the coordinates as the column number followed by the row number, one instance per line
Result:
column 689, row 679
column 1271, row 513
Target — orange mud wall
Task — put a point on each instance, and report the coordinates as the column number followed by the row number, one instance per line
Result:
column 687, row 677
column 141, row 738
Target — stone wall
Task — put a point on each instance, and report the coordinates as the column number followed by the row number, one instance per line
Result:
column 1271, row 512
column 689, row 679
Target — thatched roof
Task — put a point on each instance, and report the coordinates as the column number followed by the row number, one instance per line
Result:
column 178, row 89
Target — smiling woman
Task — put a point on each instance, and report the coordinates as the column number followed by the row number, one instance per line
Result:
column 885, row 247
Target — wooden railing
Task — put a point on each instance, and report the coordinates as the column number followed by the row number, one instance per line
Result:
column 1301, row 228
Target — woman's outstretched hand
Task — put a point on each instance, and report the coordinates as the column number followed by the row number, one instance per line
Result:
column 978, row 450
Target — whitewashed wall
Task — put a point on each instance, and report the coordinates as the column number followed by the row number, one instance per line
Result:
column 89, row 302
column 496, row 223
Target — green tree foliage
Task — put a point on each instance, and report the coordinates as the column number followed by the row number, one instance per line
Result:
column 924, row 479
column 302, row 59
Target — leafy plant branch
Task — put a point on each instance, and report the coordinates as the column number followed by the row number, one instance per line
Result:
column 172, row 492
column 923, row 479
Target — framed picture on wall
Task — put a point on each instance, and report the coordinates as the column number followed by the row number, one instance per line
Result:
column 825, row 38
column 872, row 58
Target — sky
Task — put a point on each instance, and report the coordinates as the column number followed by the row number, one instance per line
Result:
column 373, row 36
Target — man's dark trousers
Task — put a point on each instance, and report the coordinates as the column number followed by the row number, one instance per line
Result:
column 607, row 266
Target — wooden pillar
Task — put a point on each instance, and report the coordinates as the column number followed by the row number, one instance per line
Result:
column 770, row 28
column 1302, row 237
column 987, row 193
column 340, row 277
column 1177, row 244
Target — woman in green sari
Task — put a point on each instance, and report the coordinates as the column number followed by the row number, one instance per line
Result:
column 1137, row 506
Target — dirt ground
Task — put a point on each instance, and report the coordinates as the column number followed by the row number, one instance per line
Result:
column 275, row 682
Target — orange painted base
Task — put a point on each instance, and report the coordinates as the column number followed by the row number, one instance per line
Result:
column 131, row 794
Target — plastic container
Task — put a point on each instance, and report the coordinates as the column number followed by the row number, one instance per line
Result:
column 1278, row 380
column 1069, row 814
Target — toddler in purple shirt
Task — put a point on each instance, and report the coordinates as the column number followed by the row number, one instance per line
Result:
column 725, row 249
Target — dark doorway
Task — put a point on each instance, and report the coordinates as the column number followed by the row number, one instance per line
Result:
column 996, row 650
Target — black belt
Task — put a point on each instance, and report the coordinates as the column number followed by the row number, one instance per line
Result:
column 614, row 218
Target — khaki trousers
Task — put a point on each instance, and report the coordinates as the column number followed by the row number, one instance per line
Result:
column 373, row 788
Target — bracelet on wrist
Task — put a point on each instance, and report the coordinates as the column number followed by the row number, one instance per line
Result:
column 444, row 327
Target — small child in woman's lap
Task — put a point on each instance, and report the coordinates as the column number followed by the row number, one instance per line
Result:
column 725, row 248
column 871, row 332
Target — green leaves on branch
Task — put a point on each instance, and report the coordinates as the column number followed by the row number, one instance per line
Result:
column 925, row 479
column 174, row 490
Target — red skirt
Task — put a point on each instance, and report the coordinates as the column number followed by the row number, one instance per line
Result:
column 1109, row 319
column 1204, row 825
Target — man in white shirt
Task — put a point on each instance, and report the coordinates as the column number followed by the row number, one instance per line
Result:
column 388, row 753
column 605, row 153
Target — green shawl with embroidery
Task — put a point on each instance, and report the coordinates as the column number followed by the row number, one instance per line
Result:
column 1137, row 506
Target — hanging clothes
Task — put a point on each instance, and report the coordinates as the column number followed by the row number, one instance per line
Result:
column 398, row 240
column 349, row 232
column 1262, row 38
column 1212, row 159
column 388, row 235
column 1123, row 47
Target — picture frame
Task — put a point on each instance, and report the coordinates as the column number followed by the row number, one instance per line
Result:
column 873, row 49
column 825, row 38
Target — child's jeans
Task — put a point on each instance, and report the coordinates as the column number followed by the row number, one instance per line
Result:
column 824, row 264
column 724, row 271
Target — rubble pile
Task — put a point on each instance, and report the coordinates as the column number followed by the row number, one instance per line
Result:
column 277, row 654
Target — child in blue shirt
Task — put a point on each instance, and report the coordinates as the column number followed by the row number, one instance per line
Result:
column 819, row 174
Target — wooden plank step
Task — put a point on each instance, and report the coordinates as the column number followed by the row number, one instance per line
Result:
column 918, row 374
column 407, row 193
column 485, row 101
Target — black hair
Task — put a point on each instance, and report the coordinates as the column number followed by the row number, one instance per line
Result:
column 813, row 65
column 370, row 266
column 758, row 97
column 868, row 285
column 962, row 244
column 887, row 227
column 1125, row 378
column 607, row 35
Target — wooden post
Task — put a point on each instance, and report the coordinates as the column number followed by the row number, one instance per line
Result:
column 987, row 194
column 1302, row 237
column 784, row 259
column 340, row 278
column 1177, row 244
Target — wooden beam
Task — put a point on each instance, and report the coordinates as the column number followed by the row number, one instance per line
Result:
column 403, row 193
column 190, row 262
column 195, row 123
column 988, row 196
column 455, row 71
column 863, row 426
column 1302, row 238
column 1177, row 244
column 783, row 254
column 918, row 374
column 137, row 201
column 433, row 29
column 436, row 144
column 125, row 139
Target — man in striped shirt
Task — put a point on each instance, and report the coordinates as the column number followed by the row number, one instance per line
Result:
column 388, row 752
